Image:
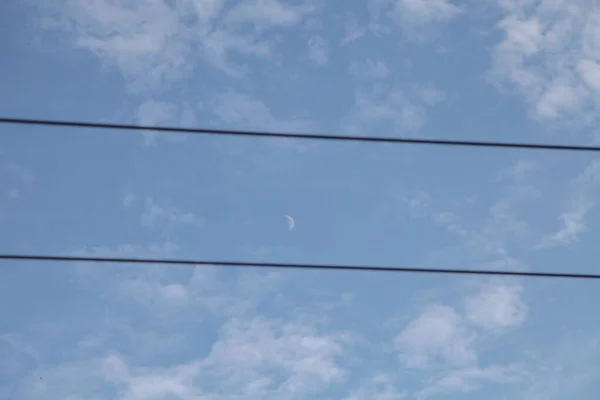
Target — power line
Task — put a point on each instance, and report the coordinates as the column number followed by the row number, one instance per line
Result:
column 376, row 139
column 246, row 264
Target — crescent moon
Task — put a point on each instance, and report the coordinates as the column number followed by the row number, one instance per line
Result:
column 290, row 222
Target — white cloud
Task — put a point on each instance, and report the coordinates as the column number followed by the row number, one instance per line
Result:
column 152, row 293
column 519, row 172
column 415, row 18
column 471, row 378
column 580, row 204
column 429, row 94
column 420, row 12
column 175, row 291
column 142, row 39
column 352, row 31
column 489, row 240
column 445, row 342
column 268, row 13
column 156, row 113
column 18, row 354
column 379, row 387
column 417, row 202
column 549, row 53
column 558, row 98
column 241, row 110
column 496, row 307
column 153, row 112
column 567, row 368
column 89, row 273
column 438, row 334
column 590, row 73
column 151, row 287
column 318, row 50
column 129, row 200
column 153, row 43
column 252, row 358
column 22, row 174
column 112, row 374
column 154, row 214
column 450, row 221
column 369, row 69
column 129, row 250
column 249, row 350
column 405, row 110
column 142, row 344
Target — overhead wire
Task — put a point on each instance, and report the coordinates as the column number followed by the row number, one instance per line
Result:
column 310, row 136
column 248, row 264
column 352, row 138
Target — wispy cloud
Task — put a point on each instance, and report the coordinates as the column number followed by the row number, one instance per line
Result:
column 154, row 215
column 352, row 30
column 438, row 334
column 129, row 200
column 156, row 113
column 17, row 354
column 564, row 369
column 404, row 109
column 469, row 379
column 581, row 202
column 318, row 50
column 503, row 230
column 369, row 69
column 128, row 250
column 416, row 18
column 378, row 387
column 446, row 340
column 155, row 43
column 269, row 13
column 520, row 172
column 240, row 110
column 497, row 306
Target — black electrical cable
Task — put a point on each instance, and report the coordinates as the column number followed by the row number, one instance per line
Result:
column 184, row 262
column 376, row 139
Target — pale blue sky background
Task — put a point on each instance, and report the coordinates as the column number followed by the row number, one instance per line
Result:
column 488, row 70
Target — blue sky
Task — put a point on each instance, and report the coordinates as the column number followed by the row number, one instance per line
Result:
column 502, row 70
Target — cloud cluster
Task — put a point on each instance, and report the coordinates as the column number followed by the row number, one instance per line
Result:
column 252, row 356
column 549, row 53
column 240, row 109
column 445, row 340
column 415, row 18
column 153, row 215
column 160, row 41
column 317, row 50
column 581, row 201
column 253, row 359
column 369, row 69
column 395, row 109
column 205, row 334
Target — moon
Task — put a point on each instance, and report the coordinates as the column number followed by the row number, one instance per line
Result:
column 290, row 222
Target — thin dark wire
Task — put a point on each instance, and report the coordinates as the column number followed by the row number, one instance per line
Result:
column 75, row 124
column 18, row 257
